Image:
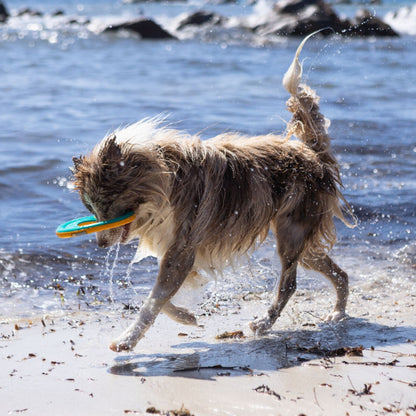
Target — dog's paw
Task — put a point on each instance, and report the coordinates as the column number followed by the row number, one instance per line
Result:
column 260, row 326
column 190, row 320
column 179, row 314
column 336, row 316
column 185, row 317
column 120, row 345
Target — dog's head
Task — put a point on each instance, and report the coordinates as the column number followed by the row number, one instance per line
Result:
column 113, row 180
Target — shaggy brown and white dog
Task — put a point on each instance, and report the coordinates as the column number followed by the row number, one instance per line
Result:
column 199, row 204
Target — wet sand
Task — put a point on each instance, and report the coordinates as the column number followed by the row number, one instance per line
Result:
column 60, row 364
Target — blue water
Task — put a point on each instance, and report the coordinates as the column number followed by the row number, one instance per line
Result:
column 63, row 87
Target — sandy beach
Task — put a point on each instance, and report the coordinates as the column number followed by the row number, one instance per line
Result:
column 60, row 364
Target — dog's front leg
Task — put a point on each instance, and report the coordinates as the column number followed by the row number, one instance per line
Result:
column 175, row 266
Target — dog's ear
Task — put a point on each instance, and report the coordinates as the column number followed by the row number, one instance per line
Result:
column 77, row 163
column 110, row 153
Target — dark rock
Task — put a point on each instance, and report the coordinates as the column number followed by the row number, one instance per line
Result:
column 302, row 17
column 27, row 11
column 79, row 21
column 58, row 13
column 365, row 24
column 4, row 14
column 295, row 6
column 200, row 18
column 341, row 2
column 150, row 1
column 146, row 28
column 221, row 2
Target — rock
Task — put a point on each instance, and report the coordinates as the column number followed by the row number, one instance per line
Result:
column 79, row 21
column 146, row 28
column 200, row 18
column 302, row 17
column 57, row 13
column 221, row 2
column 150, row 1
column 4, row 14
column 365, row 24
column 27, row 11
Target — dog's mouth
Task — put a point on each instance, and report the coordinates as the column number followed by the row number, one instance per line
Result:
column 125, row 234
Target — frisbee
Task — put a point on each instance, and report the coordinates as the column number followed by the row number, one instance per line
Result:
column 89, row 225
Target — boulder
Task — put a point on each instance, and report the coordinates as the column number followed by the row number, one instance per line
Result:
column 4, row 14
column 27, row 11
column 302, row 17
column 221, row 2
column 57, row 13
column 201, row 18
column 150, row 1
column 365, row 24
column 79, row 21
column 145, row 28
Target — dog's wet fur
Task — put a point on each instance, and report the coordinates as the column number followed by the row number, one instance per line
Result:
column 201, row 204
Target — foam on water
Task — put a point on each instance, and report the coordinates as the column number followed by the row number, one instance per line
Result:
column 403, row 20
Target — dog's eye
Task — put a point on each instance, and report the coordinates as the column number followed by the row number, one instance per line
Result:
column 87, row 203
column 89, row 208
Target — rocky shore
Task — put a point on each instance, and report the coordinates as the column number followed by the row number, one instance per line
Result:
column 286, row 18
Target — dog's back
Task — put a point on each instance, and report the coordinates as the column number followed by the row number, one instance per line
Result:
column 226, row 191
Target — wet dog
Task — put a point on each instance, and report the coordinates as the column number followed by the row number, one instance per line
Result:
column 200, row 204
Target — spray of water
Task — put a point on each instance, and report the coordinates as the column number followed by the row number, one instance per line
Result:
column 109, row 269
column 128, row 277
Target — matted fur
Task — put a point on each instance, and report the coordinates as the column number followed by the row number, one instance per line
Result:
column 200, row 204
column 223, row 192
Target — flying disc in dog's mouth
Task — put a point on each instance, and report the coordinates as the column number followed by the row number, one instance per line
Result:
column 88, row 225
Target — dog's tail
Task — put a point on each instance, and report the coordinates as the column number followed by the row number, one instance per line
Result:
column 308, row 124
column 311, row 127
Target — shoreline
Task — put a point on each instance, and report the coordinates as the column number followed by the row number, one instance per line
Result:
column 61, row 364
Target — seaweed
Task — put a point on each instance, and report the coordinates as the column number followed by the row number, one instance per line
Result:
column 231, row 335
column 338, row 352
column 267, row 390
column 180, row 412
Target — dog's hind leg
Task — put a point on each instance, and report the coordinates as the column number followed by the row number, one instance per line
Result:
column 290, row 239
column 179, row 314
column 339, row 280
column 174, row 268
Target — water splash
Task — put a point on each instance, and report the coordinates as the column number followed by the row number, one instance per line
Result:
column 128, row 276
column 109, row 269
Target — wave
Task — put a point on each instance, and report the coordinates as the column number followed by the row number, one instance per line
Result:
column 39, row 166
column 403, row 20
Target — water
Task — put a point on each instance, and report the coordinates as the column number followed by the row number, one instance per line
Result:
column 64, row 86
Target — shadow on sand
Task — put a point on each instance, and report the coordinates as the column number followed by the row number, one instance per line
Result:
column 255, row 355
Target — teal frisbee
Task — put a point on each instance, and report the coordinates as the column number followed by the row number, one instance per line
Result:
column 89, row 225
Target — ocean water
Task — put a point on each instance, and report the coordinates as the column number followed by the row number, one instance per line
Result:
column 65, row 85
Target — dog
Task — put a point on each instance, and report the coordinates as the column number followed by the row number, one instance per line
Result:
column 201, row 204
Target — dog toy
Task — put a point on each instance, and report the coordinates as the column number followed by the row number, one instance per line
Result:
column 89, row 224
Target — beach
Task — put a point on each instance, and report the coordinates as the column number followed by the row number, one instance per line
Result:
column 61, row 363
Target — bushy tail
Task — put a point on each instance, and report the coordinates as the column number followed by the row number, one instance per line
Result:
column 311, row 127
column 308, row 124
